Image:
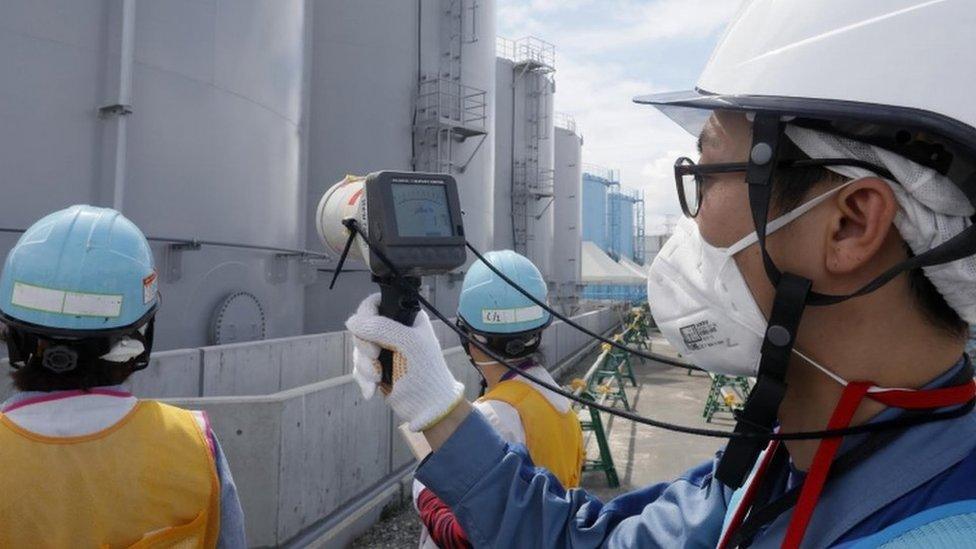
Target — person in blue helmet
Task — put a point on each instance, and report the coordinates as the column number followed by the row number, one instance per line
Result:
column 85, row 463
column 541, row 421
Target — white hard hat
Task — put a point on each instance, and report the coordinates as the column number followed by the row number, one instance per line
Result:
column 889, row 72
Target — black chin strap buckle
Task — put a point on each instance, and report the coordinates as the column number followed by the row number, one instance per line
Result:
column 760, row 412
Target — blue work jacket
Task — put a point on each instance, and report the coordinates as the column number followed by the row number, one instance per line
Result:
column 922, row 483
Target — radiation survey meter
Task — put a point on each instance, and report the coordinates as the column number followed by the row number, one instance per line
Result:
column 413, row 225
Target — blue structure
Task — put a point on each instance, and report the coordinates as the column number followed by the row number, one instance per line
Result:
column 621, row 227
column 609, row 222
column 616, row 292
column 594, row 206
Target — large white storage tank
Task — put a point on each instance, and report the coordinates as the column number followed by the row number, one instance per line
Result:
column 400, row 85
column 186, row 116
column 524, row 150
column 567, row 214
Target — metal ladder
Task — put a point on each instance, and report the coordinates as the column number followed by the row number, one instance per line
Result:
column 448, row 112
column 614, row 204
column 640, row 240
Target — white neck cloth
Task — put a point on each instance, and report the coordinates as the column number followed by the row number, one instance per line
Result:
column 931, row 208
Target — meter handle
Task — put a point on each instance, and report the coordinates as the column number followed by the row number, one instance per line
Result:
column 399, row 304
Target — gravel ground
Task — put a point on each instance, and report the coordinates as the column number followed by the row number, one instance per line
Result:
column 399, row 528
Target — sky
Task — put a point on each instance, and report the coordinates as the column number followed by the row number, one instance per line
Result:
column 608, row 51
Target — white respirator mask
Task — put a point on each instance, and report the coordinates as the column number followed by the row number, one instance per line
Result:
column 701, row 303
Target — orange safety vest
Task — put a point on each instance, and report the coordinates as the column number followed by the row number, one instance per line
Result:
column 148, row 481
column 554, row 438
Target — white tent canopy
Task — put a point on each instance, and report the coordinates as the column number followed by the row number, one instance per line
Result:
column 639, row 270
column 599, row 268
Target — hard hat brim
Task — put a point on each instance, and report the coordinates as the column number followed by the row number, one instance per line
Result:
column 872, row 123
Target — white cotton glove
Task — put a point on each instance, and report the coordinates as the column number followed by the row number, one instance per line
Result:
column 424, row 391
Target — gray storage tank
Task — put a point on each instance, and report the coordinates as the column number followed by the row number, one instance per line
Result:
column 567, row 215
column 186, row 116
column 400, row 85
column 524, row 149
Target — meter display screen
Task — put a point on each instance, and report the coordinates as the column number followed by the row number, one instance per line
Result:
column 421, row 210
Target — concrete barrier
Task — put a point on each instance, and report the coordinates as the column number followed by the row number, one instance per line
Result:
column 298, row 455
column 170, row 374
column 263, row 367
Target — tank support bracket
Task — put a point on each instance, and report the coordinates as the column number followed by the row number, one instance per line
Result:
column 276, row 268
column 173, row 260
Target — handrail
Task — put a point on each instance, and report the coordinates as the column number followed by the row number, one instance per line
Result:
column 196, row 243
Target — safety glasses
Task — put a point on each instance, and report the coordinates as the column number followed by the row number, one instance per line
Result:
column 691, row 177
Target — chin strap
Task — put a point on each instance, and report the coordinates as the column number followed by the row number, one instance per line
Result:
column 851, row 398
column 759, row 413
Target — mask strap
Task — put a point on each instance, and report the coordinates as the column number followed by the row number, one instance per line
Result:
column 784, row 219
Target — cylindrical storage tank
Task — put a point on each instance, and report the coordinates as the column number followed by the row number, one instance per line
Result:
column 364, row 80
column 186, row 117
column 524, row 159
column 539, row 122
column 369, row 57
column 473, row 158
column 625, row 235
column 567, row 216
column 595, row 212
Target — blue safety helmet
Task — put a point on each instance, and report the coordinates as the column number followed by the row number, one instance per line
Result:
column 493, row 309
column 81, row 279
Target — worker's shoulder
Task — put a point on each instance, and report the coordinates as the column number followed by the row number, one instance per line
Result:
column 175, row 414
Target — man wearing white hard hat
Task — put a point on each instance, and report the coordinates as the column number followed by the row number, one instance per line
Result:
column 828, row 250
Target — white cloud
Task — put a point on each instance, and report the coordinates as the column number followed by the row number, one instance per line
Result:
column 622, row 23
column 669, row 19
column 618, row 133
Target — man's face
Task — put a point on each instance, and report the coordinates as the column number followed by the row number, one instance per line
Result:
column 725, row 217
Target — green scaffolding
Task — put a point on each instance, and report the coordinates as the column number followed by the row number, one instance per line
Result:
column 726, row 394
column 605, row 382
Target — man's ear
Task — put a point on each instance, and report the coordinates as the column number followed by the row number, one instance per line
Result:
column 862, row 222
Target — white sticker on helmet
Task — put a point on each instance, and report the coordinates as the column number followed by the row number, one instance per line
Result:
column 76, row 303
column 63, row 302
column 37, row 298
column 511, row 316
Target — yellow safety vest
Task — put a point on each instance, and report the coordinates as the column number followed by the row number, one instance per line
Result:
column 554, row 438
column 147, row 481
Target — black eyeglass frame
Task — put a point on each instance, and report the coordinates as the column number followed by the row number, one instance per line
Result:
column 686, row 166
